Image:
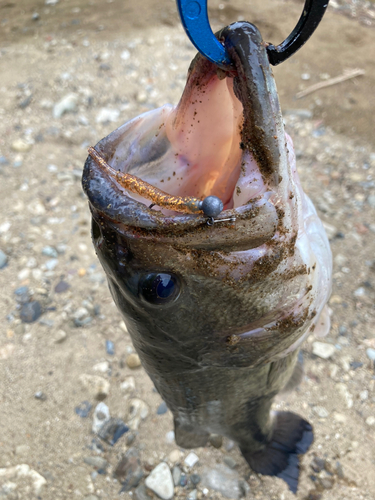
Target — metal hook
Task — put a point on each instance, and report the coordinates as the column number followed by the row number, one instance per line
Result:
column 194, row 18
column 211, row 221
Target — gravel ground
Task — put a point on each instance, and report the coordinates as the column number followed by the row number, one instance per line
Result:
column 63, row 346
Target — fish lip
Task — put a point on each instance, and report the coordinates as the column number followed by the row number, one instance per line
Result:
column 255, row 222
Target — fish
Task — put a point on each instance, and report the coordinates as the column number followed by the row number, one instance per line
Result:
column 217, row 308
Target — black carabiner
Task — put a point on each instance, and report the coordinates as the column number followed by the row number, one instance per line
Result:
column 311, row 16
column 194, row 18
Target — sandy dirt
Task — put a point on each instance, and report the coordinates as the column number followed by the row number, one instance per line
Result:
column 119, row 59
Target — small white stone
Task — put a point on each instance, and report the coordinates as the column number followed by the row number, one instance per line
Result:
column 67, row 104
column 22, row 449
column 37, row 208
column 100, row 417
column 21, row 146
column 175, row 456
column 160, row 481
column 169, row 437
column 59, row 337
column 138, row 411
column 141, row 97
column 23, row 274
column 343, row 390
column 125, row 55
column 107, row 115
column 363, row 395
column 321, row 411
column 6, row 351
column 4, row 227
column 370, row 420
column 128, row 385
column 191, row 459
column 360, row 292
column 97, row 386
column 323, row 350
column 102, row 367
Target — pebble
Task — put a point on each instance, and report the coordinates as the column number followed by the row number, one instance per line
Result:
column 360, row 292
column 20, row 472
column 4, row 227
column 125, row 55
column 321, row 411
column 371, row 200
column 230, row 462
column 370, row 420
column 176, row 475
column 3, row 259
column 59, row 337
column 162, row 408
column 51, row 264
column 40, row 395
column 138, row 411
column 102, row 367
column 129, row 470
column 97, row 462
column 22, row 449
column 21, row 146
column 216, row 440
column 83, row 409
column 169, row 437
column 112, row 430
column 174, row 456
column 193, row 495
column 326, row 482
column 67, row 104
column 363, row 395
column 191, row 460
column 6, row 351
column 133, row 361
column 128, row 385
column 223, row 480
column 370, row 354
column 100, row 417
column 318, row 464
column 160, row 481
column 141, row 493
column 31, row 311
column 110, row 347
column 195, row 479
column 323, row 350
column 50, row 252
column 183, row 480
column 61, row 287
column 98, row 386
column 106, row 115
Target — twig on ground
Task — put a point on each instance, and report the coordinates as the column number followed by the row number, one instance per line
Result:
column 347, row 75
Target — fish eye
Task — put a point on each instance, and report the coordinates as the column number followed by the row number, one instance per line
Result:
column 159, row 288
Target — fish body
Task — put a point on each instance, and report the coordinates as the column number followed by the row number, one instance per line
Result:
column 217, row 313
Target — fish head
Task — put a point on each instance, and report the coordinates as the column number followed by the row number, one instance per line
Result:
column 246, row 289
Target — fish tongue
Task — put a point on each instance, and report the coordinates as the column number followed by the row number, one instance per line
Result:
column 205, row 132
column 224, row 130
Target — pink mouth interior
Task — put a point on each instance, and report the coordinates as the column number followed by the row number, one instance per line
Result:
column 206, row 134
column 206, row 138
column 202, row 136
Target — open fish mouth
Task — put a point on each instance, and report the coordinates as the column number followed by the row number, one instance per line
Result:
column 225, row 138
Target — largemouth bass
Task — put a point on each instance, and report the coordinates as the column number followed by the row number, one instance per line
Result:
column 217, row 312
